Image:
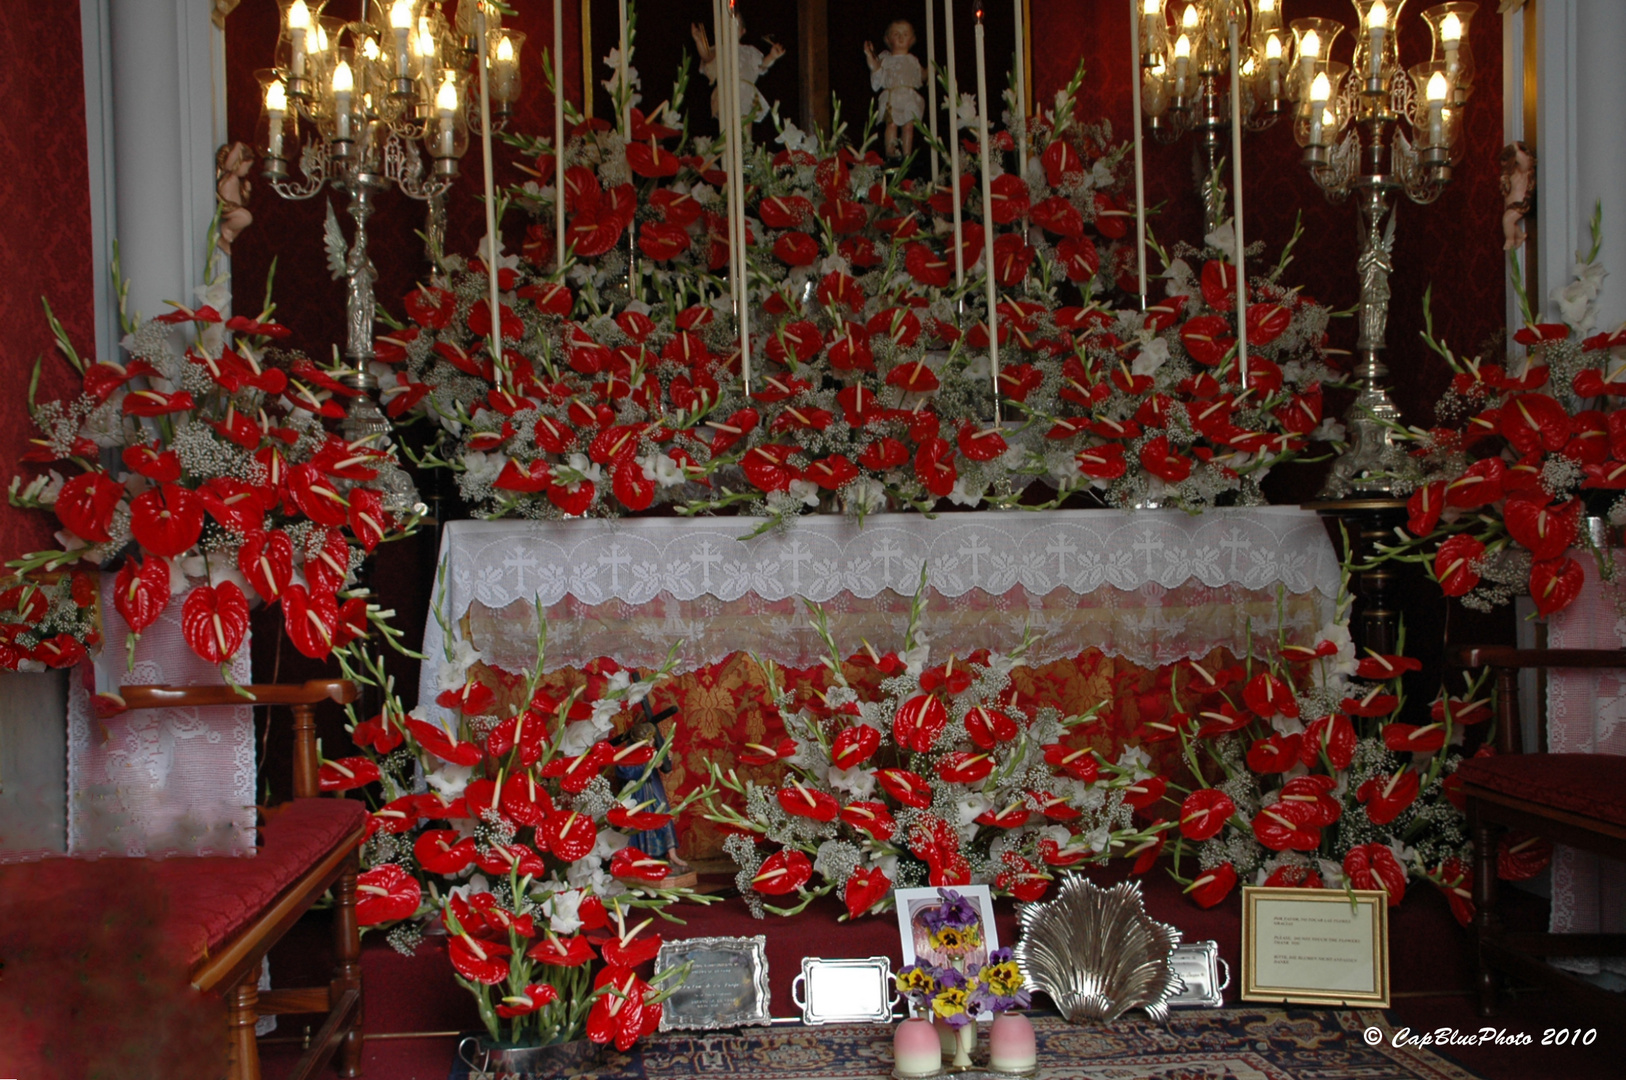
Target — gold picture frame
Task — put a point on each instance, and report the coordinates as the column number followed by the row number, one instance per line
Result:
column 1315, row 946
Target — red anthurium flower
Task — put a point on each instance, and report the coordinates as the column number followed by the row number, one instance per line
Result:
column 631, row 864
column 141, row 592
column 61, row 651
column 327, row 561
column 1426, row 739
column 1335, row 736
column 435, row 740
column 1204, row 813
column 484, row 962
column 1379, row 666
column 984, row 445
column 867, row 887
column 805, row 802
column 636, row 820
column 918, row 723
column 1455, row 878
column 1532, row 422
column 854, row 746
column 1386, row 796
column 166, row 520
column 376, row 734
column 266, row 560
column 784, row 211
column 570, row 836
column 1316, row 793
column 525, row 802
column 1286, row 826
column 1269, row 696
column 159, row 466
column 1555, row 583
column 987, row 727
column 756, row 754
column 1521, row 856
column 576, row 773
column 534, row 997
column 1212, row 886
column 1143, row 793
column 311, row 619
column 1456, row 564
column 964, row 767
column 1207, row 338
column 1159, row 459
column 1022, row 879
column 1146, row 852
column 620, row 1014
column 1462, row 711
column 906, row 787
column 1423, row 508
column 1374, row 866
column 1275, row 754
column 473, row 698
column 214, row 620
column 1293, row 877
column 1547, row 531
column 527, row 731
column 1225, row 719
column 386, row 893
column 870, row 817
column 346, row 774
column 1219, row 285
column 153, row 403
column 782, row 872
column 102, row 379
column 1374, row 703
column 1057, row 215
column 554, row 951
column 315, row 496
column 956, row 680
column 627, row 949
column 934, row 466
column 396, row 817
column 1011, row 816
column 1480, row 483
column 1080, row 764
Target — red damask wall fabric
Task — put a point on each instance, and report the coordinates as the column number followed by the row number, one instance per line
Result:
column 1454, row 245
column 45, row 246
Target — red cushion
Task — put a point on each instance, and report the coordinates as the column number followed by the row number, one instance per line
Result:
column 1592, row 785
column 212, row 899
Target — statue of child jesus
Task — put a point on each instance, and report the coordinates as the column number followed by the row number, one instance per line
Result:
column 897, row 76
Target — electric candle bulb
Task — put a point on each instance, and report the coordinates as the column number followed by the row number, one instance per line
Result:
column 401, row 15
column 369, row 49
column 1151, row 7
column 299, row 24
column 344, row 84
column 1267, row 6
column 276, row 103
column 446, row 107
column 1273, row 63
column 1450, row 28
column 1273, row 48
column 1310, row 48
column 1182, row 48
column 276, row 98
column 1182, row 61
column 1320, row 92
column 1188, row 21
column 505, row 50
column 401, row 28
column 1377, row 22
column 344, row 81
column 1438, row 88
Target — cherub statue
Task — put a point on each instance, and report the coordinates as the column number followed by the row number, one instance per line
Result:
column 233, row 163
column 897, row 76
column 753, row 65
column 1518, row 191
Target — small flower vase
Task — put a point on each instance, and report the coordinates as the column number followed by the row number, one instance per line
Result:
column 957, row 1041
column 1011, row 1044
column 916, row 1050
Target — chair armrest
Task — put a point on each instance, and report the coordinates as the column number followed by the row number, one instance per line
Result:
column 302, row 698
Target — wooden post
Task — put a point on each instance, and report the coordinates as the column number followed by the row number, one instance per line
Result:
column 813, row 60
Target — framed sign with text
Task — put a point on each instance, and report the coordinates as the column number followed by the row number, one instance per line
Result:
column 1315, row 946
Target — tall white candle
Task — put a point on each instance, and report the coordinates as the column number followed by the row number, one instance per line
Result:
column 1140, row 154
column 1021, row 92
column 559, row 133
column 276, row 105
column 931, row 80
column 954, row 146
column 1236, row 220
column 344, row 85
column 987, row 217
column 1377, row 22
column 401, row 30
column 299, row 24
column 491, row 202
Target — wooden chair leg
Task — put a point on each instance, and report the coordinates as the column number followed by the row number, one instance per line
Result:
column 1487, row 923
column 241, row 1015
column 347, row 969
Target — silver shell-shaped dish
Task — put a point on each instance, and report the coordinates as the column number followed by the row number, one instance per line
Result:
column 1097, row 954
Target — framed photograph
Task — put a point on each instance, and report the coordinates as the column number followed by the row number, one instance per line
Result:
column 1315, row 946
column 945, row 935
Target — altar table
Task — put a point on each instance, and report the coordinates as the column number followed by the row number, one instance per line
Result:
column 1150, row 586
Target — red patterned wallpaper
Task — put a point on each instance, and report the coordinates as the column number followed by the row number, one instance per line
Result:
column 1454, row 245
column 45, row 246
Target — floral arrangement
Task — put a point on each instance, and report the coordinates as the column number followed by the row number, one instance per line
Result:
column 1520, row 454
column 206, row 474
column 1306, row 776
column 957, row 993
column 48, row 623
column 935, row 777
column 520, row 847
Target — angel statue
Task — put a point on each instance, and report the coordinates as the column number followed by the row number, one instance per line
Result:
column 233, row 164
column 753, row 65
column 897, row 76
column 1518, row 191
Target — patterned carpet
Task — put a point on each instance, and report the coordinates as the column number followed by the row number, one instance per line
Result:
column 1223, row 1044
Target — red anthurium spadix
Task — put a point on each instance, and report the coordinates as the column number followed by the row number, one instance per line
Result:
column 1212, row 886
column 1374, row 866
column 435, row 740
column 870, row 817
column 346, row 774
column 1285, row 826
column 569, row 835
column 484, row 962
column 630, row 864
column 867, row 887
column 907, row 787
column 214, row 621
column 1204, row 813
column 1386, row 796
column 854, row 746
column 533, row 997
column 141, row 592
column 1079, row 763
column 782, row 872
column 386, row 893
column 806, row 802
column 919, row 721
column 964, row 767
column 757, row 754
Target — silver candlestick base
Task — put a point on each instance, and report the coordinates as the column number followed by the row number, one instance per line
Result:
column 1369, row 465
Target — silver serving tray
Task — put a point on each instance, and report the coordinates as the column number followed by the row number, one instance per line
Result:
column 1198, row 964
column 845, row 991
column 727, row 984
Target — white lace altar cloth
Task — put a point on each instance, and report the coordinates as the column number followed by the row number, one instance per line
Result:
column 1586, row 714
column 157, row 781
column 1150, row 586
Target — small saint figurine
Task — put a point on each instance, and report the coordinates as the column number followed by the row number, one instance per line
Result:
column 661, row 843
column 1518, row 191
column 897, row 76
column 753, row 65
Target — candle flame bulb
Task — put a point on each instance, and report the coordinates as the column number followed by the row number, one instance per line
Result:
column 1273, row 48
column 1188, row 21
column 1267, row 6
column 1151, row 7
column 1310, row 47
column 446, row 96
column 369, row 49
column 505, row 50
column 1451, row 27
column 299, row 16
column 343, row 80
column 1248, row 67
column 276, row 98
column 1320, row 89
column 401, row 15
column 1437, row 87
column 1182, row 47
column 1377, row 17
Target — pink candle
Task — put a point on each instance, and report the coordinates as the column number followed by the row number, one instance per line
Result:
column 915, row 1048
column 1011, row 1046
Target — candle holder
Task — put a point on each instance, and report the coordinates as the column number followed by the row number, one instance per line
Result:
column 350, row 102
column 1378, row 131
column 1185, row 78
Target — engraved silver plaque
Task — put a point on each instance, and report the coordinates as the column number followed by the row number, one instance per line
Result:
column 727, row 984
column 1198, row 964
column 845, row 991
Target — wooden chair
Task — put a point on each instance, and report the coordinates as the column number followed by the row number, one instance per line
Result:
column 1574, row 799
column 236, row 909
